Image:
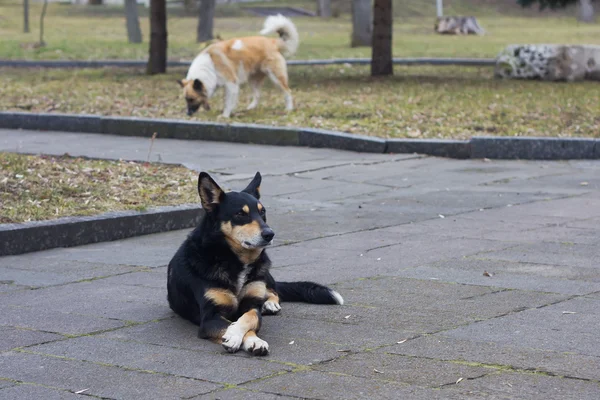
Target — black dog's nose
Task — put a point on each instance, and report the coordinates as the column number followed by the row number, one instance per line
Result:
column 190, row 112
column 267, row 235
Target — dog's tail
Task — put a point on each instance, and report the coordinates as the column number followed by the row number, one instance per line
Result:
column 307, row 292
column 286, row 29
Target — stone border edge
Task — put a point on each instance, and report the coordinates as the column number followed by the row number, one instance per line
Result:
column 492, row 147
column 76, row 231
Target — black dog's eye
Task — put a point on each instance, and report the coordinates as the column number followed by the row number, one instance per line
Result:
column 240, row 214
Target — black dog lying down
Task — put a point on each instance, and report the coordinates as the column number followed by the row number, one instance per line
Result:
column 219, row 278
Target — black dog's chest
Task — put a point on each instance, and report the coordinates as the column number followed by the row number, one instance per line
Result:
column 241, row 279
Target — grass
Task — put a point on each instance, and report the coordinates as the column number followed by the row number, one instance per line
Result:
column 424, row 102
column 34, row 188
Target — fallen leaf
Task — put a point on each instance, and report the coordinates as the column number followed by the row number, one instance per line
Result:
column 459, row 380
column 569, row 312
column 376, row 370
column 344, row 351
column 441, row 216
column 402, row 341
column 584, row 183
column 81, row 391
column 346, row 317
column 292, row 342
column 485, row 273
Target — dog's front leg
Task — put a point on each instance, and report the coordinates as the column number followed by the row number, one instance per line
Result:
column 232, row 91
column 242, row 333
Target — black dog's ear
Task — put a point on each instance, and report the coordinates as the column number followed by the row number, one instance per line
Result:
column 197, row 85
column 210, row 193
column 253, row 187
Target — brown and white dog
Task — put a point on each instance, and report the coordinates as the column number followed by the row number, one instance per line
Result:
column 232, row 62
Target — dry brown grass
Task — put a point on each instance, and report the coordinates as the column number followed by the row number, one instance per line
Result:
column 34, row 188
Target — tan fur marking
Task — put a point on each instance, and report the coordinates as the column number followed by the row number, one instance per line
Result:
column 249, row 321
column 260, row 206
column 222, row 297
column 272, row 296
column 246, row 209
column 256, row 289
column 249, row 334
column 232, row 233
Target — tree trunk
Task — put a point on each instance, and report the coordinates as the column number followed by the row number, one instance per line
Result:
column 324, row 8
column 26, row 16
column 362, row 23
column 205, row 21
column 42, row 16
column 157, row 60
column 585, row 12
column 381, row 58
column 134, row 33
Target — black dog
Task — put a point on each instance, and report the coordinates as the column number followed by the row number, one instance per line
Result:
column 219, row 278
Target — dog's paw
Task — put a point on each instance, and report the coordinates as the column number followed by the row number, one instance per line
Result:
column 256, row 346
column 233, row 338
column 224, row 116
column 270, row 308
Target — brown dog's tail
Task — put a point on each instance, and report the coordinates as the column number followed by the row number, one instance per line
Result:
column 307, row 292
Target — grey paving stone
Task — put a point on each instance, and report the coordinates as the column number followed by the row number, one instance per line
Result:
column 507, row 385
column 53, row 321
column 511, row 275
column 513, row 356
column 20, row 392
column 4, row 383
column 178, row 333
column 235, row 394
column 98, row 298
column 401, row 369
column 315, row 385
column 568, row 254
column 99, row 380
column 11, row 338
column 561, row 234
column 219, row 368
column 569, row 326
column 345, row 336
column 154, row 278
column 426, row 306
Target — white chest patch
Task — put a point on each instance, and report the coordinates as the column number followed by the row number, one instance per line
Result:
column 242, row 279
column 237, row 45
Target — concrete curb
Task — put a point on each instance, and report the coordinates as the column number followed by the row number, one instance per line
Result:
column 475, row 62
column 76, row 231
column 527, row 148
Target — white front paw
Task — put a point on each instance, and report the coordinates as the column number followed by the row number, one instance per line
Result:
column 270, row 307
column 233, row 338
column 256, row 346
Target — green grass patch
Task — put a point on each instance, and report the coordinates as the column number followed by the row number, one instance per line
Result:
column 420, row 102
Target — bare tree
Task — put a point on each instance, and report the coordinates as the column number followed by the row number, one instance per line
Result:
column 42, row 16
column 205, row 21
column 362, row 23
column 134, row 33
column 157, row 58
column 586, row 11
column 26, row 16
column 381, row 58
column 324, row 8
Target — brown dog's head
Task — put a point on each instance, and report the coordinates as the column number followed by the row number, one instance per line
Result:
column 195, row 95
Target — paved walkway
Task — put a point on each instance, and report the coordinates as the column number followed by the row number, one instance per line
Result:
column 463, row 279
